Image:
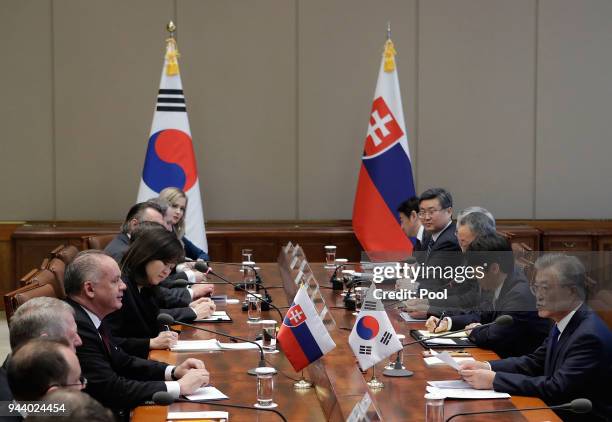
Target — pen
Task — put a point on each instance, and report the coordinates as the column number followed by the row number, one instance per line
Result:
column 439, row 321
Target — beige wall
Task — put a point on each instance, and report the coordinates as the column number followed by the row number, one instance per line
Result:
column 506, row 102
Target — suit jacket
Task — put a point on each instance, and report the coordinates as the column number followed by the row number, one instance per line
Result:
column 5, row 391
column 445, row 252
column 135, row 323
column 526, row 333
column 116, row 379
column 193, row 252
column 168, row 297
column 579, row 366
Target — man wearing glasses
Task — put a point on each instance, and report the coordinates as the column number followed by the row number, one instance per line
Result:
column 574, row 361
column 42, row 365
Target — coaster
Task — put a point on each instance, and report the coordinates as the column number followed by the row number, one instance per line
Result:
column 271, row 352
column 232, row 301
column 252, row 322
column 270, row 406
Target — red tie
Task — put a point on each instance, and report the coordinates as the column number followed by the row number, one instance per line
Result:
column 102, row 329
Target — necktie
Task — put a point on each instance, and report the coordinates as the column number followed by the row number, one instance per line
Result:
column 430, row 245
column 554, row 333
column 103, row 331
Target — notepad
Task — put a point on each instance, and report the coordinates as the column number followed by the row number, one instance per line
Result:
column 446, row 358
column 205, row 415
column 426, row 334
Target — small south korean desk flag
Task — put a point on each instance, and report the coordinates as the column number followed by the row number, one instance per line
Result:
column 373, row 337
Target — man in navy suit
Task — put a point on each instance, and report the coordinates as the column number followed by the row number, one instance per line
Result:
column 504, row 291
column 575, row 360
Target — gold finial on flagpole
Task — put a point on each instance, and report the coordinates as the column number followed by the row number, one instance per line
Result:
column 171, row 28
column 172, row 53
column 390, row 52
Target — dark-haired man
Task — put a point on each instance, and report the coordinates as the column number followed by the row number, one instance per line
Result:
column 504, row 291
column 41, row 365
column 409, row 219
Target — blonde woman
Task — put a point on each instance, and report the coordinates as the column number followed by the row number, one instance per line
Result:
column 176, row 215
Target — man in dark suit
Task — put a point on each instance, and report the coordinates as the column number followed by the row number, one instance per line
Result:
column 504, row 291
column 409, row 219
column 117, row 380
column 438, row 250
column 153, row 212
column 574, row 361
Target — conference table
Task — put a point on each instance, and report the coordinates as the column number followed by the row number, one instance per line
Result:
column 339, row 385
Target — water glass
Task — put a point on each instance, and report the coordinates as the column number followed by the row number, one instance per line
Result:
column 434, row 407
column 265, row 386
column 330, row 256
column 248, row 275
column 254, row 307
column 268, row 334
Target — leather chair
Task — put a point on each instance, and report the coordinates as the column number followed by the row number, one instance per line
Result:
column 67, row 253
column 16, row 298
column 98, row 241
column 57, row 267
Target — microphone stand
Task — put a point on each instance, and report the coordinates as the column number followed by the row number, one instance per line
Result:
column 164, row 398
column 566, row 406
column 166, row 319
column 238, row 287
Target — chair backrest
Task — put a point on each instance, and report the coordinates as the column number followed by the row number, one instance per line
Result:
column 67, row 253
column 57, row 268
column 16, row 298
column 97, row 242
column 26, row 279
column 46, row 276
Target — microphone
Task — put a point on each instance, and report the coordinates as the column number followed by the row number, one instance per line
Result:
column 165, row 319
column 576, row 406
column 502, row 321
column 163, row 398
column 209, row 270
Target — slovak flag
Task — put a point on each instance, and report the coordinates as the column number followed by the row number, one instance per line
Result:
column 385, row 177
column 170, row 160
column 303, row 336
column 373, row 337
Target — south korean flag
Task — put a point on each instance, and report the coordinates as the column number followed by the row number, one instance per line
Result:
column 373, row 337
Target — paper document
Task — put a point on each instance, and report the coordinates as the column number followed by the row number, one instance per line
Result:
column 427, row 334
column 198, row 415
column 434, row 361
column 237, row 346
column 450, row 384
column 196, row 345
column 446, row 358
column 207, row 393
column 215, row 316
column 447, row 341
column 467, row 393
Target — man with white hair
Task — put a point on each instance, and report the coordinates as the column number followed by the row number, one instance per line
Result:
column 473, row 222
column 39, row 317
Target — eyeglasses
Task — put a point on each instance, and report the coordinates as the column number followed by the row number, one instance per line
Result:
column 428, row 213
column 538, row 288
column 82, row 383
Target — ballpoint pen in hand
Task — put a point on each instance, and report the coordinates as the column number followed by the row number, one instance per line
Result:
column 442, row 316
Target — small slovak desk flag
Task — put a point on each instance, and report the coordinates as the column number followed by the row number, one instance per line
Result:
column 303, row 336
column 373, row 337
column 385, row 177
column 170, row 159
